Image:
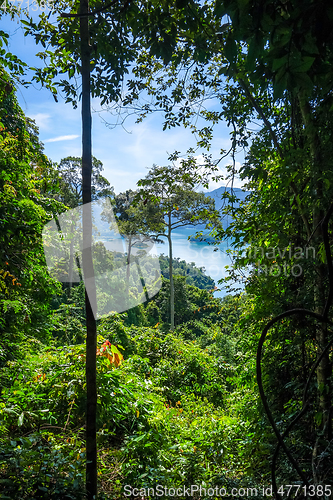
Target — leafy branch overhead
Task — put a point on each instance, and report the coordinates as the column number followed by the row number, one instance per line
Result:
column 127, row 27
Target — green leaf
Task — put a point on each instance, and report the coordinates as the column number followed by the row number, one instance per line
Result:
column 278, row 63
column 230, row 49
column 253, row 53
column 219, row 9
column 302, row 80
column 304, row 65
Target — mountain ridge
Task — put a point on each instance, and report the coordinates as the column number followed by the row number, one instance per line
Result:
column 216, row 194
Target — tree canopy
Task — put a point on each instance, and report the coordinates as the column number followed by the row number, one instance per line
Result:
column 171, row 188
column 70, row 172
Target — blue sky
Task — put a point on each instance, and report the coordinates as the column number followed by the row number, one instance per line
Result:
column 126, row 154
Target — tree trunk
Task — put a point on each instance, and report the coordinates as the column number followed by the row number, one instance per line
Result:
column 172, row 290
column 324, row 369
column 129, row 248
column 90, row 301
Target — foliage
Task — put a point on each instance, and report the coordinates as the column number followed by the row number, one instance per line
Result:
column 11, row 66
column 171, row 189
column 170, row 414
column 132, row 220
column 264, row 63
column 129, row 28
column 70, row 192
column 194, row 276
column 41, row 466
column 183, row 407
column 25, row 287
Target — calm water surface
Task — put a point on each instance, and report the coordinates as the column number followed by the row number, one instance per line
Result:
column 201, row 253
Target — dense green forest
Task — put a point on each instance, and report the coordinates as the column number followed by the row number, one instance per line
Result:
column 194, row 276
column 184, row 395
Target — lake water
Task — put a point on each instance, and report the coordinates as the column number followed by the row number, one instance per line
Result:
column 201, row 253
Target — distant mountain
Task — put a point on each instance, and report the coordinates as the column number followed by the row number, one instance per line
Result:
column 217, row 195
column 220, row 202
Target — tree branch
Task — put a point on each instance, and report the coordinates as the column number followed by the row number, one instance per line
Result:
column 278, row 148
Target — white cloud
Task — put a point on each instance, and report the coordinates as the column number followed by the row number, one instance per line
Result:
column 222, row 170
column 237, row 182
column 62, row 138
column 42, row 120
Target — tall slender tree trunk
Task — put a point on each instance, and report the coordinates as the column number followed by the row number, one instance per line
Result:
column 128, row 260
column 172, row 289
column 90, row 301
column 324, row 369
